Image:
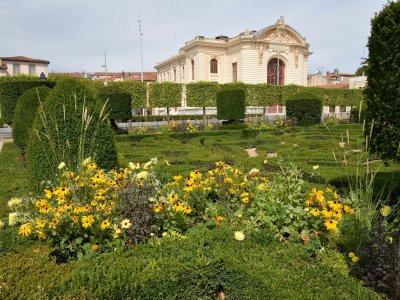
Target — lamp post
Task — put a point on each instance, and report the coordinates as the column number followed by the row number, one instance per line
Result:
column 141, row 45
column 105, row 66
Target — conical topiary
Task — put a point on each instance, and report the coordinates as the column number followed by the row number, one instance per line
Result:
column 69, row 127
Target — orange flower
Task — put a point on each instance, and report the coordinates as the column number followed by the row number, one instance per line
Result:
column 95, row 247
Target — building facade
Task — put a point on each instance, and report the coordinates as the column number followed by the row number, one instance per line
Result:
column 23, row 65
column 276, row 54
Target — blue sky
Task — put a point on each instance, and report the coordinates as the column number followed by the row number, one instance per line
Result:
column 73, row 34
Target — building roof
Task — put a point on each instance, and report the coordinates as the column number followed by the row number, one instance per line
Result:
column 335, row 86
column 24, row 59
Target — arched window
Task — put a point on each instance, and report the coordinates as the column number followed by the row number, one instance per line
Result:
column 273, row 76
column 213, row 66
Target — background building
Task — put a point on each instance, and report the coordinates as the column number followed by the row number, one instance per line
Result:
column 23, row 65
column 276, row 54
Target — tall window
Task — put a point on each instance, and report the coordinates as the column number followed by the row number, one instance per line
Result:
column 192, row 69
column 32, row 69
column 183, row 71
column 234, row 72
column 213, row 66
column 16, row 69
column 174, row 75
column 273, row 74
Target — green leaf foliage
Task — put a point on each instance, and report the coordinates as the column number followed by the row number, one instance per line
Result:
column 231, row 104
column 207, row 262
column 202, row 94
column 136, row 89
column 118, row 102
column 69, row 127
column 383, row 91
column 305, row 108
column 165, row 94
column 12, row 89
column 25, row 113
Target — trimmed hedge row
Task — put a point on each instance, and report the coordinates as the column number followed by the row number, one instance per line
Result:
column 11, row 90
column 208, row 262
column 305, row 108
column 231, row 104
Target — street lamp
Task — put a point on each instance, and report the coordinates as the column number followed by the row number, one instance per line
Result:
column 105, row 66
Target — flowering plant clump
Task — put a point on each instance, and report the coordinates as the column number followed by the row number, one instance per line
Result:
column 79, row 214
column 326, row 210
column 216, row 195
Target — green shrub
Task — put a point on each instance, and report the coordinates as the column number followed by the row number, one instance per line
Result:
column 231, row 104
column 118, row 105
column 383, row 90
column 11, row 90
column 305, row 108
column 69, row 128
column 207, row 262
column 359, row 116
column 165, row 94
column 136, row 89
column 25, row 113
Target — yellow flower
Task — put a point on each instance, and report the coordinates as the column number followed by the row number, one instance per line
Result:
column 41, row 235
column 187, row 210
column 40, row 223
column 309, row 202
column 178, row 206
column 349, row 210
column 157, row 208
column 75, row 219
column 41, row 202
column 125, row 224
column 331, row 224
column 48, row 194
column 245, row 200
column 386, row 210
column 254, row 172
column 315, row 167
column 219, row 218
column 351, row 254
column 315, row 212
column 61, row 165
column 45, row 209
column 61, row 191
column 53, row 223
column 94, row 203
column 239, row 235
column 98, row 178
column 355, row 259
column 335, row 205
column 105, row 224
column 177, row 177
column 338, row 214
column 25, row 229
column 87, row 221
column 196, row 175
column 173, row 197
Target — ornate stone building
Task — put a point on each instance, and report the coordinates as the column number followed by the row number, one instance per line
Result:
column 276, row 54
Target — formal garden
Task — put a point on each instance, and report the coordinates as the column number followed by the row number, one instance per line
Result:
column 297, row 208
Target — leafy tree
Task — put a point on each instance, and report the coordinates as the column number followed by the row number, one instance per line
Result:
column 383, row 91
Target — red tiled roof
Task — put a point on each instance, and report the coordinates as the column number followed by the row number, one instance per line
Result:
column 335, row 86
column 24, row 59
column 71, row 74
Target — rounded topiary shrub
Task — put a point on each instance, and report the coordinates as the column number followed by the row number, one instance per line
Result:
column 25, row 112
column 231, row 104
column 306, row 108
column 69, row 127
column 118, row 103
